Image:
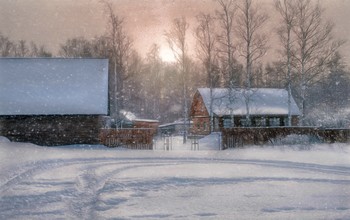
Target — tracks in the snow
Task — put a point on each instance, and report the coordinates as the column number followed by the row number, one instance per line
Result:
column 26, row 171
column 83, row 198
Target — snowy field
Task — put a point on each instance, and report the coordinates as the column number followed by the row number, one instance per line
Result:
column 95, row 182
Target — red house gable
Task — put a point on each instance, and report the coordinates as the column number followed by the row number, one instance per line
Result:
column 198, row 108
column 199, row 115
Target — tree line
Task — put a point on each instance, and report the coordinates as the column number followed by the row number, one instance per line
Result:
column 21, row 48
column 232, row 49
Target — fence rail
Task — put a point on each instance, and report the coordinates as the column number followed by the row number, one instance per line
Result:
column 141, row 139
column 238, row 137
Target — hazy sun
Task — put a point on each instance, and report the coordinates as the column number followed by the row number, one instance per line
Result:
column 167, row 55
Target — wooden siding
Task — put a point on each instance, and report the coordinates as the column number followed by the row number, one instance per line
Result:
column 199, row 116
column 51, row 130
column 198, row 108
column 130, row 138
column 201, row 125
column 146, row 124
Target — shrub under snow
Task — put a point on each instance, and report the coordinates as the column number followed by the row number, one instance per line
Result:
column 322, row 118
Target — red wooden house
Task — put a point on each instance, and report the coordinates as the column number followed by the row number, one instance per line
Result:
column 267, row 108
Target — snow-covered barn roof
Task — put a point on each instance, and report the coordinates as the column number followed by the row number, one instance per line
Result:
column 53, row 86
column 261, row 101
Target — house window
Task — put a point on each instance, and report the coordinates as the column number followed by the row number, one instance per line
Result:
column 285, row 121
column 198, row 126
column 260, row 122
column 228, row 123
column 243, row 122
column 204, row 126
column 275, row 122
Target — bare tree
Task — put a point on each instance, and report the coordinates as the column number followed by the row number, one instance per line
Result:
column 132, row 86
column 274, row 75
column 100, row 47
column 7, row 47
column 230, row 68
column 176, row 39
column 252, row 43
column 21, row 49
column 225, row 15
column 76, row 47
column 154, row 80
column 315, row 45
column 288, row 21
column 207, row 43
column 121, row 48
column 39, row 51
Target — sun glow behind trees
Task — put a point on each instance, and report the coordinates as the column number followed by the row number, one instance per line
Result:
column 167, row 55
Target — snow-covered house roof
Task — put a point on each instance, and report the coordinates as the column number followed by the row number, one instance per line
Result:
column 53, row 86
column 261, row 101
column 130, row 116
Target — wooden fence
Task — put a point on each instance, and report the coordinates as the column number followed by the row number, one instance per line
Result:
column 238, row 137
column 141, row 139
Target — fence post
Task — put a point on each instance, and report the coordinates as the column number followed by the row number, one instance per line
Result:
column 194, row 143
column 167, row 142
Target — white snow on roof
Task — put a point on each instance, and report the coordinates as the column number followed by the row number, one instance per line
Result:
column 50, row 86
column 146, row 120
column 261, row 101
column 128, row 115
column 177, row 122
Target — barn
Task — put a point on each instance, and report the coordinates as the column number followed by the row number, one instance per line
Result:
column 53, row 101
column 267, row 107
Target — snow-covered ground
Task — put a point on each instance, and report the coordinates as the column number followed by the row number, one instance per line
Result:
column 95, row 182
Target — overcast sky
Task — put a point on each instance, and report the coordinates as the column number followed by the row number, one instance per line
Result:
column 51, row 22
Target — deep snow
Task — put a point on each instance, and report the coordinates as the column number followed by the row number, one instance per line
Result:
column 95, row 182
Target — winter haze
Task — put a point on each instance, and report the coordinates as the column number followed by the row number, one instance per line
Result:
column 276, row 148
